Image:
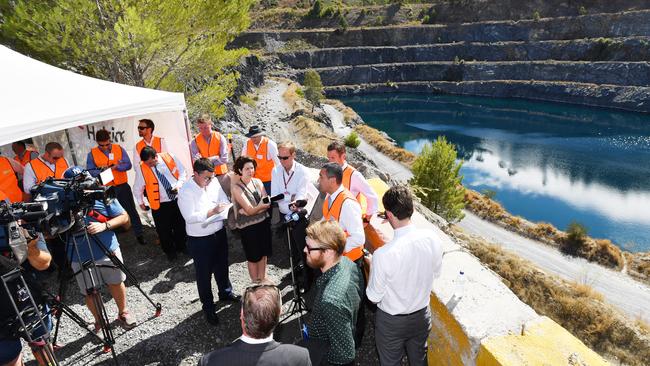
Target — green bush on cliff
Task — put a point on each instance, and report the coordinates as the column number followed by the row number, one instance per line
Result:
column 352, row 140
column 436, row 180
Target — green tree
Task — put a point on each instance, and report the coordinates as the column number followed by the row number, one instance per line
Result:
column 173, row 45
column 436, row 180
column 352, row 140
column 313, row 88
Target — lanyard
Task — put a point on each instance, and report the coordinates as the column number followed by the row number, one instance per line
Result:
column 286, row 182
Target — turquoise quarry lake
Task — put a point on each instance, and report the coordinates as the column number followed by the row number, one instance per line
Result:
column 548, row 162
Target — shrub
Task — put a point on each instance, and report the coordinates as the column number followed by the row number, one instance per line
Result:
column 428, row 16
column 576, row 238
column 316, row 10
column 313, row 88
column 582, row 10
column 247, row 100
column 352, row 140
column 436, row 179
column 536, row 15
column 343, row 23
column 300, row 92
column 489, row 193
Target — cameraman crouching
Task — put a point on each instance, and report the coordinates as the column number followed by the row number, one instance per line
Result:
column 110, row 217
column 39, row 258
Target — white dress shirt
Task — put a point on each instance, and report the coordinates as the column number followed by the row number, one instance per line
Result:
column 29, row 177
column 138, row 187
column 249, row 340
column 271, row 151
column 136, row 156
column 359, row 184
column 403, row 270
column 194, row 203
column 350, row 220
column 292, row 184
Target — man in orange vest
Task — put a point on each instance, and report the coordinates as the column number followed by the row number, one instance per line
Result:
column 145, row 130
column 161, row 175
column 113, row 156
column 50, row 164
column 341, row 206
column 264, row 151
column 355, row 182
column 10, row 170
column 23, row 155
column 211, row 145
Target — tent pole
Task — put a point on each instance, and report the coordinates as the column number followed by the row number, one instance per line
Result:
column 72, row 153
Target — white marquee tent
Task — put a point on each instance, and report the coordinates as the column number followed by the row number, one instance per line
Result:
column 45, row 103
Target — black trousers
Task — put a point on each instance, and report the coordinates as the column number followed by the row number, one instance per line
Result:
column 360, row 326
column 210, row 254
column 170, row 227
column 125, row 197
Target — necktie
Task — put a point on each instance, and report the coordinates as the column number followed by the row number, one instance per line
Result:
column 165, row 183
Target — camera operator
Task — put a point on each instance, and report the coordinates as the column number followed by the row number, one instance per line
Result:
column 39, row 258
column 109, row 217
column 290, row 178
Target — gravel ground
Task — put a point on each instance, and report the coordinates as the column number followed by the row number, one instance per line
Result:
column 180, row 335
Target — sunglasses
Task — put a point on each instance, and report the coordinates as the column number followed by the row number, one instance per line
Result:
column 309, row 249
column 104, row 145
column 209, row 178
column 382, row 215
column 56, row 157
column 142, row 127
column 283, row 157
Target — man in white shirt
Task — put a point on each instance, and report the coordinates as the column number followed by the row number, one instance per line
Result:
column 203, row 204
column 401, row 281
column 160, row 175
column 50, row 164
column 290, row 178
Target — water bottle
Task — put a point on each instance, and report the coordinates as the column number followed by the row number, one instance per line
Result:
column 459, row 285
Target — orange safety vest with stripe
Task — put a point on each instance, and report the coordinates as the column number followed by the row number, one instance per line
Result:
column 333, row 213
column 151, row 180
column 347, row 182
column 156, row 143
column 264, row 165
column 102, row 161
column 211, row 150
column 9, row 182
column 42, row 171
column 27, row 156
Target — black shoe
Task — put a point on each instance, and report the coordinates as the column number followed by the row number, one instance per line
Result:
column 211, row 317
column 230, row 297
column 140, row 239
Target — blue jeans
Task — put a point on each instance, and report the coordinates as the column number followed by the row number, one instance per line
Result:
column 210, row 254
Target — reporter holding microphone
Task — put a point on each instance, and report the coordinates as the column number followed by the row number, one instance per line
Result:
column 251, row 204
column 202, row 203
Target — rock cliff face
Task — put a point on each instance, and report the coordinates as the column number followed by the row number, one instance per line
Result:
column 598, row 59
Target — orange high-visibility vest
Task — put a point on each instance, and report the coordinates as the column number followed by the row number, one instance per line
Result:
column 347, row 182
column 102, row 161
column 27, row 156
column 156, row 143
column 213, row 149
column 9, row 182
column 3, row 196
column 333, row 213
column 43, row 171
column 264, row 166
column 151, row 180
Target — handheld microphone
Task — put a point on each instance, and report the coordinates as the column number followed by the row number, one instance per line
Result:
column 299, row 203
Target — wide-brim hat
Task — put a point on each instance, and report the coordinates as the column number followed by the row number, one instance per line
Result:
column 254, row 131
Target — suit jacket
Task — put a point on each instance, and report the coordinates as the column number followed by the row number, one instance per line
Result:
column 240, row 353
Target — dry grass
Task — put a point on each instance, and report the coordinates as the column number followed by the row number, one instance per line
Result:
column 576, row 307
column 315, row 137
column 292, row 98
column 601, row 251
column 376, row 139
column 638, row 265
column 350, row 117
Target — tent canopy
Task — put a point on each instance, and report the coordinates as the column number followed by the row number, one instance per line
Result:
column 38, row 98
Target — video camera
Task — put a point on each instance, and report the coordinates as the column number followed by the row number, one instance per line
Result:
column 67, row 200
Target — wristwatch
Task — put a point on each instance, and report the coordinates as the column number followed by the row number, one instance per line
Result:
column 108, row 226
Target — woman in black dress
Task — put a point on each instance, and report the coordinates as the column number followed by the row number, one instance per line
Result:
column 252, row 217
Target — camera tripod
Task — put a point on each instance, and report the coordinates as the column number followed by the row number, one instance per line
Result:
column 298, row 304
column 89, row 273
column 29, row 317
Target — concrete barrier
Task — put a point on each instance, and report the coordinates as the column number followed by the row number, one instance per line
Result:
column 488, row 325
